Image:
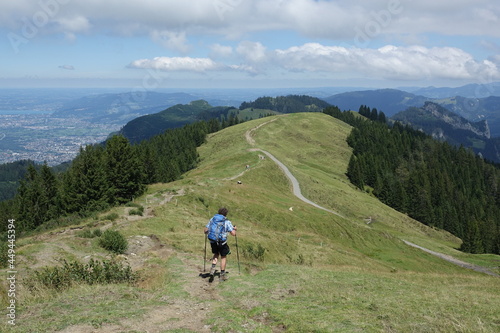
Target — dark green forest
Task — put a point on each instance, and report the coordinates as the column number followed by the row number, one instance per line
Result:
column 104, row 175
column 438, row 184
column 10, row 174
column 287, row 104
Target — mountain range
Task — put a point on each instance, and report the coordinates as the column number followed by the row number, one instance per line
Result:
column 432, row 117
column 146, row 126
column 445, row 125
column 119, row 108
column 392, row 101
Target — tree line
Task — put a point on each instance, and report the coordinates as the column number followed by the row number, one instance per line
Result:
column 287, row 104
column 438, row 184
column 104, row 175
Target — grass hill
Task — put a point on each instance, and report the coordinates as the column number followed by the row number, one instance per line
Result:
column 303, row 269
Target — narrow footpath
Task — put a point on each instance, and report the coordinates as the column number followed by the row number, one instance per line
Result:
column 298, row 194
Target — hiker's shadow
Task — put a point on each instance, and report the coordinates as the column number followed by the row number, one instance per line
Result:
column 210, row 277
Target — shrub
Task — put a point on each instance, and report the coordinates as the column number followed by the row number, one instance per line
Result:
column 94, row 272
column 257, row 252
column 111, row 216
column 113, row 241
column 138, row 211
column 87, row 233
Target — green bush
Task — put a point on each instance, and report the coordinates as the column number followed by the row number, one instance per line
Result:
column 88, row 233
column 85, row 233
column 138, row 211
column 94, row 272
column 133, row 204
column 113, row 241
column 257, row 252
column 111, row 216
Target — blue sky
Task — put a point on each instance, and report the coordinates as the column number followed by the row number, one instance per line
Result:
column 248, row 43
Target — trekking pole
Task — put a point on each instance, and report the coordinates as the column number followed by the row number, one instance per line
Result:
column 237, row 254
column 205, row 257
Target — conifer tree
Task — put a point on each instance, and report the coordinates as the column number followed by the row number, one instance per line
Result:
column 123, row 170
column 354, row 173
column 472, row 239
column 29, row 200
column 49, row 193
column 85, row 186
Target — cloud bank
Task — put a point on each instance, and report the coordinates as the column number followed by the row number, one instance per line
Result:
column 340, row 19
column 388, row 62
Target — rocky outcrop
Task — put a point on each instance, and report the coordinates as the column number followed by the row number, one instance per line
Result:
column 480, row 128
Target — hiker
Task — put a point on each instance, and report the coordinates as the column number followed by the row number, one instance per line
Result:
column 216, row 231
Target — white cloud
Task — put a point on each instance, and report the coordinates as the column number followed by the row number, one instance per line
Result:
column 67, row 67
column 389, row 62
column 338, row 19
column 221, row 51
column 188, row 64
column 76, row 23
column 253, row 52
column 177, row 64
column 175, row 41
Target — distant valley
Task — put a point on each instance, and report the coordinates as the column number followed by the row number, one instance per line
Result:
column 62, row 120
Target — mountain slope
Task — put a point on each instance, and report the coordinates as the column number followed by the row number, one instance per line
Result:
column 178, row 115
column 303, row 269
column 152, row 124
column 476, row 109
column 122, row 107
column 392, row 101
column 389, row 101
column 474, row 90
column 445, row 125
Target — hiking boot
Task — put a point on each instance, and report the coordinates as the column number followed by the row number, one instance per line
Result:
column 212, row 271
column 223, row 277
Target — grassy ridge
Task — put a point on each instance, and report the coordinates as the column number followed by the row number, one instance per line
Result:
column 303, row 270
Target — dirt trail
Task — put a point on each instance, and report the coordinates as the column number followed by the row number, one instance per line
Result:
column 298, row 194
column 188, row 313
column 454, row 260
column 295, row 183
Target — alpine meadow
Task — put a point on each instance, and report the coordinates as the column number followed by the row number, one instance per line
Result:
column 353, row 266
